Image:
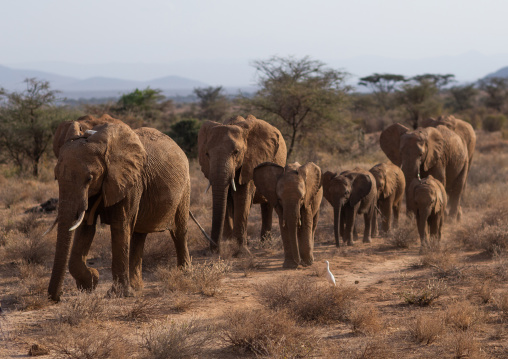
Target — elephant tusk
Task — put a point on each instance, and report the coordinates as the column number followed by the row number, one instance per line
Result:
column 207, row 188
column 201, row 228
column 299, row 222
column 283, row 224
column 51, row 228
column 78, row 222
column 233, row 184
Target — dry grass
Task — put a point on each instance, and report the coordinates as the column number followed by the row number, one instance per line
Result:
column 266, row 333
column 502, row 304
column 159, row 250
column 464, row 345
column 424, row 295
column 426, row 328
column 365, row 319
column 31, row 291
column 176, row 340
column 463, row 315
column 405, row 235
column 84, row 307
column 204, row 278
column 308, row 300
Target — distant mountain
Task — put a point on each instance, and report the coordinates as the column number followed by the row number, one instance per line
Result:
column 503, row 72
column 12, row 80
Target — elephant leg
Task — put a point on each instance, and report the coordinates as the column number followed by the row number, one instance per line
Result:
column 306, row 238
column 136, row 260
column 121, row 233
column 242, row 203
column 374, row 229
column 396, row 213
column 289, row 261
column 266, row 221
column 180, row 233
column 355, row 231
column 454, row 196
column 86, row 277
column 350, row 225
column 386, row 210
column 423, row 230
column 342, row 224
column 228, row 218
column 435, row 228
column 368, row 223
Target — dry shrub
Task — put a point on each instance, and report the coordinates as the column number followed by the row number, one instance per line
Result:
column 463, row 315
column 365, row 320
column 464, row 345
column 502, row 304
column 204, row 278
column 307, row 300
column 372, row 348
column 31, row 292
column 485, row 291
column 443, row 264
column 424, row 295
column 85, row 306
column 13, row 192
column 176, row 340
column 404, row 235
column 142, row 309
column 266, row 333
column 159, row 249
column 88, row 341
column 427, row 328
column 28, row 248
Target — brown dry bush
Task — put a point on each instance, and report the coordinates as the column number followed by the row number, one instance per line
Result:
column 204, row 278
column 502, row 304
column 464, row 345
column 88, row 341
column 424, row 295
column 427, row 328
column 176, row 340
column 404, row 235
column 13, row 192
column 485, row 291
column 265, row 333
column 142, row 309
column 29, row 248
column 365, row 320
column 31, row 292
column 369, row 348
column 84, row 307
column 463, row 315
column 442, row 262
column 309, row 300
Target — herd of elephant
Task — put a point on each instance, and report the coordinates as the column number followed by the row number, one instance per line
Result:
column 138, row 182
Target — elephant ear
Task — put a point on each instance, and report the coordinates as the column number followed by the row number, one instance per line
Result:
column 390, row 181
column 265, row 178
column 361, row 187
column 326, row 180
column 390, row 142
column 263, row 142
column 429, row 122
column 311, row 174
column 440, row 195
column 435, row 147
column 203, row 159
column 66, row 131
column 125, row 157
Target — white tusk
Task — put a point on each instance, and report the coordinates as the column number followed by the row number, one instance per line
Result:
column 78, row 222
column 90, row 132
column 233, row 184
column 51, row 228
column 299, row 222
column 207, row 188
column 283, row 224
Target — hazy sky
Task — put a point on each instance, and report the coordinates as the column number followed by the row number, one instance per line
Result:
column 166, row 31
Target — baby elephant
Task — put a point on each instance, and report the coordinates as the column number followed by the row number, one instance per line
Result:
column 391, row 184
column 295, row 192
column 426, row 198
column 350, row 193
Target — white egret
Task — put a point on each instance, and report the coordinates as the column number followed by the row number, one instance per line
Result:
column 329, row 275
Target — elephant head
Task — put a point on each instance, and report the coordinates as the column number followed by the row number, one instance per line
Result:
column 345, row 189
column 104, row 164
column 386, row 184
column 229, row 153
column 291, row 191
column 414, row 151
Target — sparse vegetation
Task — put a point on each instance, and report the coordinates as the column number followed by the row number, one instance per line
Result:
column 427, row 328
column 424, row 295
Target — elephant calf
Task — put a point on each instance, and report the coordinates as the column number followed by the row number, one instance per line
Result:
column 295, row 192
column 350, row 193
column 391, row 184
column 427, row 200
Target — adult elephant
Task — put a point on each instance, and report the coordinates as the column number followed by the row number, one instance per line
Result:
column 137, row 181
column 439, row 152
column 295, row 192
column 391, row 186
column 461, row 128
column 228, row 154
column 350, row 193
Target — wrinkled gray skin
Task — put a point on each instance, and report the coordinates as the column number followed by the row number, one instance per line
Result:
column 427, row 200
column 295, row 192
column 137, row 181
column 350, row 193
column 438, row 151
column 391, row 185
column 230, row 152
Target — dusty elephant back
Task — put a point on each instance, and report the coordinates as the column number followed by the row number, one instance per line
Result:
column 166, row 182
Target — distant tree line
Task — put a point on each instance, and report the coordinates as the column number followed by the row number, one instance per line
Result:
column 312, row 105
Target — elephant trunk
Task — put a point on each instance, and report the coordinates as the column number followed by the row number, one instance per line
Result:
column 336, row 223
column 292, row 219
column 423, row 228
column 68, row 216
column 220, row 196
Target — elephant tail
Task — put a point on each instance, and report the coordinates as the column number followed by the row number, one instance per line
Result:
column 201, row 228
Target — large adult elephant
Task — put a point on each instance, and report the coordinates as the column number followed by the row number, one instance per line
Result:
column 295, row 192
column 136, row 181
column 439, row 152
column 461, row 128
column 228, row 154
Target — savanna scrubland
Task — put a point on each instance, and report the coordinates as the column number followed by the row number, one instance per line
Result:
column 389, row 302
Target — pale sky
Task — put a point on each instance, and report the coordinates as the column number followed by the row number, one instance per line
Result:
column 167, row 31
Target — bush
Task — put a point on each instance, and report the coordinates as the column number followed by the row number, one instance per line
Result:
column 86, row 306
column 494, row 123
column 427, row 328
column 463, row 315
column 185, row 134
column 426, row 295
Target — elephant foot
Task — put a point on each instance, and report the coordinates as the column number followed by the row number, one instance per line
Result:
column 349, row 242
column 289, row 264
column 242, row 252
column 307, row 262
column 367, row 240
column 118, row 290
column 90, row 281
column 267, row 236
column 137, row 284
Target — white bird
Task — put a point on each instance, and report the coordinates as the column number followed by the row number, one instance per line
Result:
column 329, row 275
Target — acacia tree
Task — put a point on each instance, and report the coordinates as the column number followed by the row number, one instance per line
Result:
column 213, row 103
column 27, row 122
column 496, row 89
column 301, row 94
column 463, row 97
column 382, row 86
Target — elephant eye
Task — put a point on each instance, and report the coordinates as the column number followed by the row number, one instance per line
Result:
column 236, row 151
column 90, row 178
column 207, row 155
